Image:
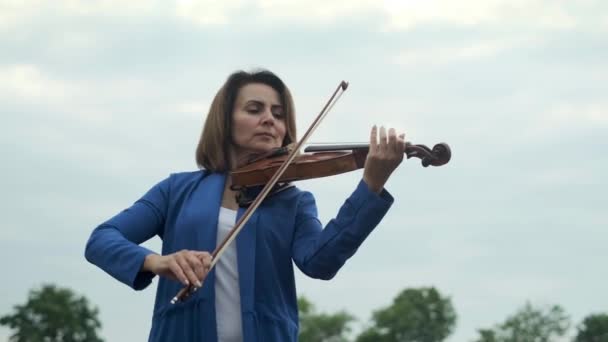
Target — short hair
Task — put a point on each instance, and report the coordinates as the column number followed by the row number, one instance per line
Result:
column 212, row 152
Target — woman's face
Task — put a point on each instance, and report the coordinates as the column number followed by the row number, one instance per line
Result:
column 258, row 123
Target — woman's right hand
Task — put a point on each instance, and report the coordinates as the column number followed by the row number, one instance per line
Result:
column 185, row 266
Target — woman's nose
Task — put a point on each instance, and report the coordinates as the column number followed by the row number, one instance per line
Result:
column 268, row 118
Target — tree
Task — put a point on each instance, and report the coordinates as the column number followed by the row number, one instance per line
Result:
column 373, row 335
column 529, row 324
column 53, row 314
column 320, row 327
column 594, row 328
column 416, row 315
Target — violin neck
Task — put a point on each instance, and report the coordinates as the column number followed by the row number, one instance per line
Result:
column 337, row 147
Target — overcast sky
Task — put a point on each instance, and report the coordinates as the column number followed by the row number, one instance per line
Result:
column 100, row 100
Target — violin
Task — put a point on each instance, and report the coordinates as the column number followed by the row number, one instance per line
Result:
column 275, row 170
column 324, row 161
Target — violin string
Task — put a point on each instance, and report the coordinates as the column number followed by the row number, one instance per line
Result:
column 335, row 143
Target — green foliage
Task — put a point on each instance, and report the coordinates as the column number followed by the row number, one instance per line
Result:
column 53, row 314
column 373, row 335
column 594, row 328
column 320, row 327
column 529, row 324
column 416, row 315
column 487, row 335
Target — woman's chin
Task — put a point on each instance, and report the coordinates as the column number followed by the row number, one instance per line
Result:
column 265, row 147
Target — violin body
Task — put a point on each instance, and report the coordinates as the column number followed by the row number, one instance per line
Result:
column 305, row 166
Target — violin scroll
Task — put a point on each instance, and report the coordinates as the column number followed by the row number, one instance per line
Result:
column 439, row 155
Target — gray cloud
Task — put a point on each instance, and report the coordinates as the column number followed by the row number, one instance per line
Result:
column 97, row 108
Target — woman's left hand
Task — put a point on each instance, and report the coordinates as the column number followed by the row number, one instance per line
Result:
column 384, row 156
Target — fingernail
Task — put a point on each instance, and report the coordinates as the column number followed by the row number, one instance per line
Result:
column 198, row 284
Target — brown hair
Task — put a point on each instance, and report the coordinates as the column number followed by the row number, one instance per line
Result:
column 212, row 152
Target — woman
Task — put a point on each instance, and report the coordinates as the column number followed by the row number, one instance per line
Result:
column 250, row 294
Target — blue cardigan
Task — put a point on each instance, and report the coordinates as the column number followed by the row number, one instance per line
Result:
column 183, row 211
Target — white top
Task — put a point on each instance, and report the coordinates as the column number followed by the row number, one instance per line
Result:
column 227, row 295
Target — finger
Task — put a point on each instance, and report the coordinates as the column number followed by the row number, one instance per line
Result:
column 177, row 272
column 197, row 266
column 200, row 255
column 188, row 271
column 383, row 144
column 207, row 261
column 373, row 139
column 392, row 140
column 205, row 258
column 401, row 142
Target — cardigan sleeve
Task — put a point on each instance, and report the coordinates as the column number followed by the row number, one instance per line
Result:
column 320, row 252
column 114, row 245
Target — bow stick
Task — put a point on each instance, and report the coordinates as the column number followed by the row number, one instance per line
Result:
column 217, row 253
